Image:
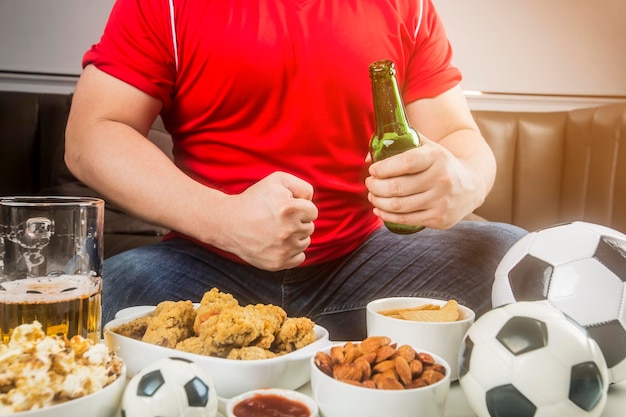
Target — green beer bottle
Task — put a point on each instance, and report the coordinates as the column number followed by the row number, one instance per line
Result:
column 393, row 133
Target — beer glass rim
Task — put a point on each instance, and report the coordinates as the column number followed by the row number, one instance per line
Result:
column 32, row 201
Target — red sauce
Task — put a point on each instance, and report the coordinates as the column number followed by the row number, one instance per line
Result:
column 270, row 405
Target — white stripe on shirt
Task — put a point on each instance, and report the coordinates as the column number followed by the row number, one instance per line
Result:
column 174, row 41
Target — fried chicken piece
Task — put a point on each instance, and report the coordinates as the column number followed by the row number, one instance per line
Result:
column 250, row 353
column 170, row 322
column 203, row 346
column 194, row 345
column 134, row 329
column 273, row 318
column 212, row 303
column 294, row 334
column 252, row 325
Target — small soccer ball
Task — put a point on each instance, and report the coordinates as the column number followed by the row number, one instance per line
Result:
column 170, row 387
column 579, row 268
column 527, row 359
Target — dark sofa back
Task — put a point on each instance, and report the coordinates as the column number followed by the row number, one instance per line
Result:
column 32, row 147
column 32, row 131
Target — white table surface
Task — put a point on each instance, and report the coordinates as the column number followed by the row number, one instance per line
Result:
column 457, row 405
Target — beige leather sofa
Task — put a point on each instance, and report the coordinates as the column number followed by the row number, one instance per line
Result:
column 557, row 167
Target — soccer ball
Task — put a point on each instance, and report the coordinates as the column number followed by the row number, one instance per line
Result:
column 170, row 387
column 579, row 268
column 528, row 359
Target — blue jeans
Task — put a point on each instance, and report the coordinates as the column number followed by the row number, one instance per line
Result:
column 458, row 263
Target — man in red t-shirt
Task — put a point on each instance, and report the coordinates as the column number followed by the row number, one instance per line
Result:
column 271, row 195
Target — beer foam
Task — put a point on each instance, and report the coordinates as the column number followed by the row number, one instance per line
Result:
column 46, row 290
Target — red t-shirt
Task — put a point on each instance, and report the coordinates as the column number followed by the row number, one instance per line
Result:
column 255, row 86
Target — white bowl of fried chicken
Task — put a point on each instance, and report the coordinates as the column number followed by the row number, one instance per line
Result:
column 241, row 347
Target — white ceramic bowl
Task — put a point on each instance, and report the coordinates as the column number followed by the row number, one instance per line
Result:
column 103, row 403
column 441, row 338
column 285, row 393
column 339, row 399
column 231, row 377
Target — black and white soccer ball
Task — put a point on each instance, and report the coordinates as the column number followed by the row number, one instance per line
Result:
column 170, row 387
column 579, row 268
column 528, row 359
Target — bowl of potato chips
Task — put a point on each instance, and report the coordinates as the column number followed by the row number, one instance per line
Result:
column 435, row 325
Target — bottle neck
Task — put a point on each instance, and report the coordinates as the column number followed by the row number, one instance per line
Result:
column 389, row 110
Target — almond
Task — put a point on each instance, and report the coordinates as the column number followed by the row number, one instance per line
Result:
column 407, row 352
column 403, row 370
column 351, row 352
column 436, row 367
column 426, row 358
column 381, row 367
column 368, row 383
column 365, row 368
column 376, row 377
column 368, row 357
column 390, row 373
column 324, row 363
column 337, row 354
column 432, row 376
column 385, row 352
column 389, row 383
column 416, row 383
column 417, row 367
column 347, row 371
column 373, row 343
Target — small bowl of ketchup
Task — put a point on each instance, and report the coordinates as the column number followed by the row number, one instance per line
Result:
column 271, row 402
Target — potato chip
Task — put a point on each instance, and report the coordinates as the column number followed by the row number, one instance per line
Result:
column 396, row 312
column 426, row 312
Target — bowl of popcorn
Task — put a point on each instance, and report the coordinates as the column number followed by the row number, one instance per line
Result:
column 438, row 326
column 379, row 377
column 242, row 347
column 44, row 376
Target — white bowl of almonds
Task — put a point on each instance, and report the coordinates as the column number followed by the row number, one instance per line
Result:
column 44, row 376
column 438, row 326
column 378, row 377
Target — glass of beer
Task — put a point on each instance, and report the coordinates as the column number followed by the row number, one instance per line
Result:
column 51, row 254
